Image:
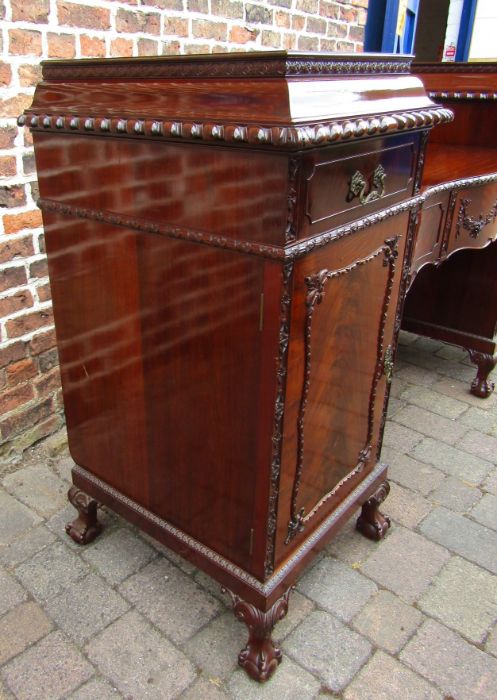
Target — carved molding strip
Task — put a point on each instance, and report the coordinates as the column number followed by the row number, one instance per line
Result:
column 462, row 95
column 279, row 407
column 291, row 226
column 315, row 292
column 238, row 66
column 463, row 183
column 474, row 225
column 455, row 67
column 272, row 252
column 232, row 569
column 286, row 136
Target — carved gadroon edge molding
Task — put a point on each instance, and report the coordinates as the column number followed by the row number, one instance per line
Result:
column 279, row 408
column 285, row 254
column 281, row 136
column 264, row 588
column 474, row 225
column 462, row 95
column 238, row 66
column 315, row 292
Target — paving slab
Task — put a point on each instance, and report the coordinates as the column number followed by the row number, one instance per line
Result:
column 96, row 689
column 22, row 626
column 412, row 374
column 49, row 670
column 349, row 545
column 464, row 597
column 456, row 495
column 11, row 593
column 385, row 678
column 38, row 488
column 411, row 473
column 290, row 682
column 25, row 546
column 400, row 437
column 491, row 644
column 387, row 621
column 216, row 647
column 405, row 507
column 15, row 519
column 171, row 600
column 337, row 588
column 452, row 461
column 298, row 609
column 51, row 571
column 57, row 524
column 459, row 669
column 463, row 536
column 86, row 607
column 120, row 554
column 431, row 424
column 460, row 390
column 485, row 511
column 206, row 689
column 490, row 483
column 139, row 661
column 405, row 563
column 477, row 418
column 325, row 647
column 433, row 401
column 479, row 444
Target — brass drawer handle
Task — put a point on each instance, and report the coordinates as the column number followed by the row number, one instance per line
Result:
column 359, row 183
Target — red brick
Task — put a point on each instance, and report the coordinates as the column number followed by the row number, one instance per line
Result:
column 327, row 45
column 17, row 222
column 12, row 196
column 92, row 46
column 16, row 248
column 61, row 45
column 337, row 30
column 28, row 163
column 356, row 33
column 316, row 25
column 175, row 26
column 133, row 22
column 272, row 39
column 29, row 74
column 7, row 166
column 298, row 22
column 13, row 352
column 282, row 19
column 5, row 73
column 308, row 43
column 329, row 9
column 48, row 360
column 30, row 416
column 27, row 323
column 13, row 398
column 28, row 137
column 148, row 47
column 121, row 47
column 48, row 383
column 44, row 292
column 173, row 47
column 14, row 106
column 242, row 35
column 228, row 9
column 3, row 379
column 198, row 6
column 89, row 17
column 24, row 42
column 164, row 4
column 289, row 41
column 310, row 6
column 12, row 277
column 39, row 268
column 15, row 302
column 30, row 10
column 21, row 371
column 348, row 14
column 345, row 46
column 205, row 29
column 42, row 341
column 7, row 136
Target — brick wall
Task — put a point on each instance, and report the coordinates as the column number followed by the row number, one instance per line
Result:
column 30, row 400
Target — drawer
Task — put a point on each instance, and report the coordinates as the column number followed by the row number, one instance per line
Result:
column 474, row 222
column 430, row 234
column 348, row 182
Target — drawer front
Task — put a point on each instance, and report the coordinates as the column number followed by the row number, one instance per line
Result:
column 474, row 222
column 429, row 237
column 345, row 183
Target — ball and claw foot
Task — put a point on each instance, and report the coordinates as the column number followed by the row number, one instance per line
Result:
column 260, row 657
column 371, row 523
column 86, row 526
column 480, row 386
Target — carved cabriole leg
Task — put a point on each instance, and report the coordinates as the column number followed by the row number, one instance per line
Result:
column 371, row 523
column 260, row 658
column 86, row 526
column 480, row 386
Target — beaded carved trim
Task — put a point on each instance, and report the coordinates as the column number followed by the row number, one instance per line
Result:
column 462, row 95
column 286, row 136
column 234, row 570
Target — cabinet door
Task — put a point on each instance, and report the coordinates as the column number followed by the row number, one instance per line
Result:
column 340, row 363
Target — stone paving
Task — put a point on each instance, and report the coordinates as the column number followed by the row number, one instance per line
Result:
column 411, row 618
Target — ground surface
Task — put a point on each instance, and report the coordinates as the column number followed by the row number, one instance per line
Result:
column 411, row 618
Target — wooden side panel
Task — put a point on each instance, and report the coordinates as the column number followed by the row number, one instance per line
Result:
column 160, row 346
column 345, row 301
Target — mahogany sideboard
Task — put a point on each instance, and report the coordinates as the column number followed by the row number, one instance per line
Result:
column 454, row 272
column 228, row 239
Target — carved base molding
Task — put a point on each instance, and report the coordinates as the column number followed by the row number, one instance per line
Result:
column 480, row 386
column 86, row 526
column 260, row 657
column 371, row 523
